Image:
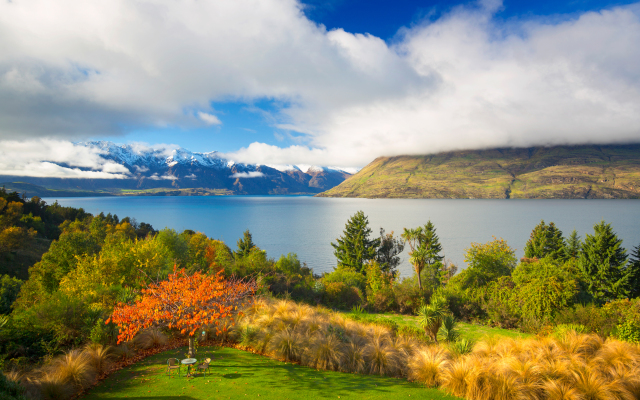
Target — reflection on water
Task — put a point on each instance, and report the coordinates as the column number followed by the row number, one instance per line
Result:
column 306, row 225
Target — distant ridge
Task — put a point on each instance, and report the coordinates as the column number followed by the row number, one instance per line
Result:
column 182, row 172
column 561, row 172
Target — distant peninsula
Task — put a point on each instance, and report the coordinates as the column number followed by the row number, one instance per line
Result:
column 561, row 172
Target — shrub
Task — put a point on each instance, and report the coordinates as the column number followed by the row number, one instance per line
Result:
column 10, row 389
column 339, row 295
column 408, row 295
column 380, row 293
column 629, row 331
column 348, row 276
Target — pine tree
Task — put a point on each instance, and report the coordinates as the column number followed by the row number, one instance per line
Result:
column 572, row 246
column 245, row 244
column 602, row 264
column 633, row 269
column 545, row 241
column 354, row 248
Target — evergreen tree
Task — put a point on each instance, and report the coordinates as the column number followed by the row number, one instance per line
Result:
column 425, row 252
column 602, row 264
column 245, row 244
column 388, row 254
column 545, row 241
column 572, row 246
column 633, row 269
column 354, row 248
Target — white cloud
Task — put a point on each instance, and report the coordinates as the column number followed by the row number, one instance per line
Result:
column 209, row 119
column 40, row 158
column 465, row 80
column 191, row 176
column 250, row 174
column 140, row 169
column 167, row 177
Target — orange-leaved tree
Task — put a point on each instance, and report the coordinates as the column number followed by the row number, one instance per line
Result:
column 184, row 302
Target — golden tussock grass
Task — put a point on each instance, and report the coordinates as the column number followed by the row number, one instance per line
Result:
column 99, row 357
column 427, row 364
column 150, row 337
column 568, row 366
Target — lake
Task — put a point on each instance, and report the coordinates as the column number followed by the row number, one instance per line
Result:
column 307, row 225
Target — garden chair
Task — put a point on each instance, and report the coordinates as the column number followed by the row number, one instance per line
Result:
column 204, row 366
column 173, row 363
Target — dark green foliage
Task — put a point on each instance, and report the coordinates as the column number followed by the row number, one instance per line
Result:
column 354, row 248
column 388, row 254
column 545, row 241
column 572, row 246
column 245, row 244
column 289, row 276
column 10, row 390
column 633, row 269
column 602, row 264
column 9, row 289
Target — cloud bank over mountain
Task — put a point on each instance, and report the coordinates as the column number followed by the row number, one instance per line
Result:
column 73, row 70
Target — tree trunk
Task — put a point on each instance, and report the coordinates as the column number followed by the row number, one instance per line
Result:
column 419, row 279
column 192, row 350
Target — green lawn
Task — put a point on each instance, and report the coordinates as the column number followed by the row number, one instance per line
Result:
column 236, row 374
column 468, row 331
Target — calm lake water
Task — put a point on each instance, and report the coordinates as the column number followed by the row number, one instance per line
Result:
column 307, row 225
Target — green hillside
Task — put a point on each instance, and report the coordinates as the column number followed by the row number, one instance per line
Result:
column 562, row 172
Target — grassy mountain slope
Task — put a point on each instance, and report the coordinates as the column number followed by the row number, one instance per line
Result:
column 565, row 172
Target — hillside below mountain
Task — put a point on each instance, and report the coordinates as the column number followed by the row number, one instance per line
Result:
column 561, row 172
column 182, row 172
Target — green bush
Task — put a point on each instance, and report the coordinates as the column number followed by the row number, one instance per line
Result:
column 9, row 289
column 408, row 295
column 629, row 331
column 10, row 390
column 339, row 295
column 350, row 277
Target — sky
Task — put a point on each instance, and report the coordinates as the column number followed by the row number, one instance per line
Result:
column 332, row 83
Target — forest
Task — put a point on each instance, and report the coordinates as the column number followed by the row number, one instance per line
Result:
column 94, row 264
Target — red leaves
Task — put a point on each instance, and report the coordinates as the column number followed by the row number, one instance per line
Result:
column 185, row 302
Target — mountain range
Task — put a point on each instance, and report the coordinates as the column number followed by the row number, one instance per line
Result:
column 560, row 172
column 182, row 172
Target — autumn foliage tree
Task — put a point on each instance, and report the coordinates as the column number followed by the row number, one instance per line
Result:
column 184, row 302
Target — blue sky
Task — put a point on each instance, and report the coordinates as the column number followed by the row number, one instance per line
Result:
column 334, row 83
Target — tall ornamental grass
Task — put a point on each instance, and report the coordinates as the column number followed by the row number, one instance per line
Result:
column 567, row 365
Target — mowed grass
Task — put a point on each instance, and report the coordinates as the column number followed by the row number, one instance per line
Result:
column 468, row 331
column 236, row 374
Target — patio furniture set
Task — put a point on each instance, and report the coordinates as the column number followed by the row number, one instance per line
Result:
column 174, row 363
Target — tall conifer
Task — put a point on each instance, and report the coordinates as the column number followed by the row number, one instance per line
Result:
column 354, row 248
column 602, row 264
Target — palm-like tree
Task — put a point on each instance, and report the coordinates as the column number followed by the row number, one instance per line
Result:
column 431, row 316
column 424, row 247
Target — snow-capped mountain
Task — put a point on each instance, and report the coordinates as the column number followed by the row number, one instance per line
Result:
column 178, row 168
